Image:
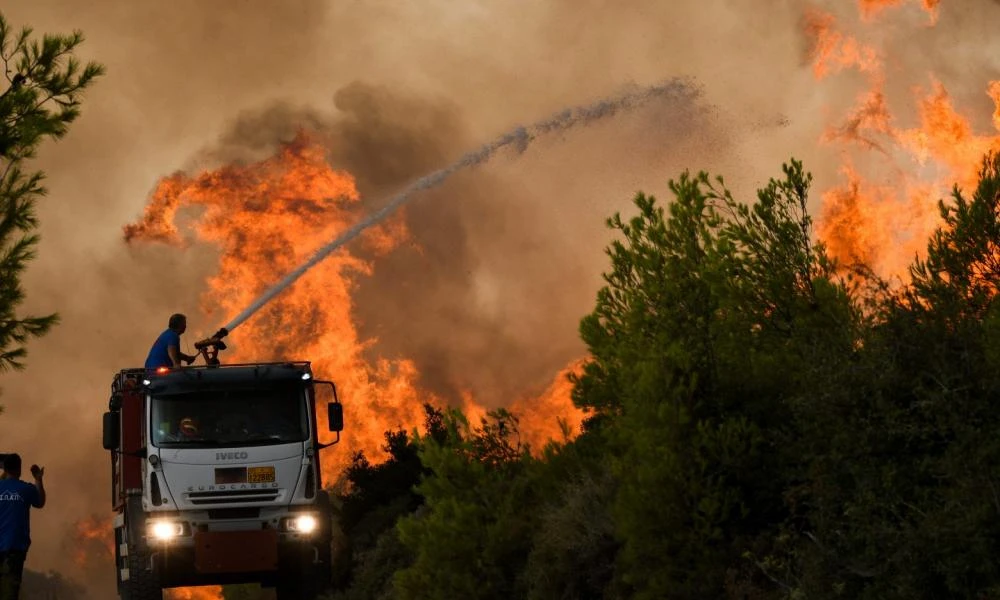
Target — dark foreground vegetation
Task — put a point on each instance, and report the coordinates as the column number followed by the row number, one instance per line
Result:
column 763, row 424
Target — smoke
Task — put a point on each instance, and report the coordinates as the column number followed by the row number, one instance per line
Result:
column 518, row 138
column 502, row 262
column 451, row 355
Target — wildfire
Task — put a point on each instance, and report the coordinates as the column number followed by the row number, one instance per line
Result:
column 92, row 540
column 886, row 225
column 268, row 217
column 549, row 416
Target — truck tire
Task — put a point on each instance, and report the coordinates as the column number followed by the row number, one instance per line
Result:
column 324, row 570
column 143, row 583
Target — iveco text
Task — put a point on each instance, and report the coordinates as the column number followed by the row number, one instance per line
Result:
column 231, row 455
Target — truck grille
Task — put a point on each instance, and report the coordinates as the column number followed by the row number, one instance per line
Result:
column 223, row 497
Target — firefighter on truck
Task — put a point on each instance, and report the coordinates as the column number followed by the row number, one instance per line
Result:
column 216, row 474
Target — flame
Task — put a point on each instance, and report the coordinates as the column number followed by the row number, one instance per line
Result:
column 832, row 51
column 885, row 225
column 547, row 417
column 871, row 8
column 868, row 123
column 93, row 541
column 266, row 218
column 947, row 137
column 543, row 418
column 211, row 592
column 993, row 91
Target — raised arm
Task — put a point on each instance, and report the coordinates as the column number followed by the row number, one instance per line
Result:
column 39, row 474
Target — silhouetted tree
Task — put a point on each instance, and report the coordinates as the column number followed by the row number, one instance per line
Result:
column 375, row 497
column 40, row 96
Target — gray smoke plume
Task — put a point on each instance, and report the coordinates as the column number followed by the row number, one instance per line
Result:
column 518, row 138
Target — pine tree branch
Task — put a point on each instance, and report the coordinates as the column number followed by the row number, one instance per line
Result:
column 41, row 73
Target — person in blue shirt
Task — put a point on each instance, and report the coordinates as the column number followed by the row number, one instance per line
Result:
column 166, row 350
column 16, row 499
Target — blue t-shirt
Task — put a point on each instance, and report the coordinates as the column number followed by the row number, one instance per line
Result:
column 16, row 499
column 158, row 355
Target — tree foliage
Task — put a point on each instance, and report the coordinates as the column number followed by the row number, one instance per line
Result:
column 371, row 499
column 472, row 537
column 702, row 339
column 763, row 424
column 40, row 96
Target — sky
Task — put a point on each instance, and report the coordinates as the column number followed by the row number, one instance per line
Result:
column 398, row 89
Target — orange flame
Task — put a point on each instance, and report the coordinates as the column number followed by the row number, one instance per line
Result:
column 886, row 225
column 93, row 541
column 947, row 137
column 547, row 417
column 543, row 418
column 993, row 90
column 212, row 592
column 871, row 8
column 832, row 51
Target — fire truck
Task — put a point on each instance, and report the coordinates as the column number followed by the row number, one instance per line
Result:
column 215, row 478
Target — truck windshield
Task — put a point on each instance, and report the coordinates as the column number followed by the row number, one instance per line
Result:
column 239, row 417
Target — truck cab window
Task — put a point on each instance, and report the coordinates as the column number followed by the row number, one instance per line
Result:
column 241, row 417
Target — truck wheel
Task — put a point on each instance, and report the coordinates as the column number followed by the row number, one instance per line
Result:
column 142, row 583
column 323, row 572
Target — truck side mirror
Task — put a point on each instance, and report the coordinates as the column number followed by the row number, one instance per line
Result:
column 111, row 430
column 335, row 416
column 334, row 412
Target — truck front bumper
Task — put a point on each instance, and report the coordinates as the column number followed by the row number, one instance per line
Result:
column 229, row 557
column 235, row 551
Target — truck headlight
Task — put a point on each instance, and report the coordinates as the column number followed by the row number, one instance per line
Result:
column 300, row 524
column 165, row 530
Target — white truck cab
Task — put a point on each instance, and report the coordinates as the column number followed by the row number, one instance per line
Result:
column 216, row 478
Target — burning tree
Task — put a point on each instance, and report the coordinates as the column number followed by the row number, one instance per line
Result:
column 44, row 84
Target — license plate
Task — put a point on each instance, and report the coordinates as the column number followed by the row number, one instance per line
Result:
column 260, row 475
